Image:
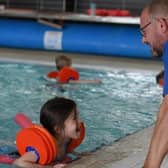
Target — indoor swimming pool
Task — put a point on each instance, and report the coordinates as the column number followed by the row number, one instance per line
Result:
column 124, row 103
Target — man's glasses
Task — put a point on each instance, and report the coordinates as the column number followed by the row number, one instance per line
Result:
column 143, row 28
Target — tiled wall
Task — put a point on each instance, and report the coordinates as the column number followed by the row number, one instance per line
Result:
column 76, row 5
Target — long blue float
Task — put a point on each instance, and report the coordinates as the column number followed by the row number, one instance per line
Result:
column 104, row 39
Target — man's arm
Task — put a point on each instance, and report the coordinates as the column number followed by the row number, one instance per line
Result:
column 159, row 142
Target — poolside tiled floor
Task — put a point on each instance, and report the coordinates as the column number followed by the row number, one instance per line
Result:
column 128, row 152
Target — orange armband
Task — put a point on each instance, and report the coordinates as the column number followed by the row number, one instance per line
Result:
column 52, row 74
column 37, row 138
column 42, row 143
column 66, row 74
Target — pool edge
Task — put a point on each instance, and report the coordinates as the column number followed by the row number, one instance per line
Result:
column 80, row 60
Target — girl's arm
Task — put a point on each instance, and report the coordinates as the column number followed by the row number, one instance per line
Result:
column 28, row 160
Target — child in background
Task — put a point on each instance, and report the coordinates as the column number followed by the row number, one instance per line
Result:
column 65, row 73
column 160, row 78
column 59, row 116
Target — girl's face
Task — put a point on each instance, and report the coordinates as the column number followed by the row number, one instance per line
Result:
column 71, row 126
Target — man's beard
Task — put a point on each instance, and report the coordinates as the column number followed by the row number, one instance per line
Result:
column 156, row 53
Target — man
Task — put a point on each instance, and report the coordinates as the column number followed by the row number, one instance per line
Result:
column 154, row 29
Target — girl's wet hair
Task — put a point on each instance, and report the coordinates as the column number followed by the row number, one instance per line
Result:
column 54, row 113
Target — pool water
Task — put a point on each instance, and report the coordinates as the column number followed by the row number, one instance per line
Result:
column 124, row 103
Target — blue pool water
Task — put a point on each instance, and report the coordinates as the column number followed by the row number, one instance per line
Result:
column 124, row 103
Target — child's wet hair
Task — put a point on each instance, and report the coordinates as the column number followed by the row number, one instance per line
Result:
column 54, row 113
column 62, row 61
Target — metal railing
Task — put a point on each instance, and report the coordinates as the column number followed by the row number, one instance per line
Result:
column 76, row 6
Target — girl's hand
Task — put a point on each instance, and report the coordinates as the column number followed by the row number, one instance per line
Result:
column 59, row 166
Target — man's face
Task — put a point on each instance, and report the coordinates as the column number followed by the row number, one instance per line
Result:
column 150, row 35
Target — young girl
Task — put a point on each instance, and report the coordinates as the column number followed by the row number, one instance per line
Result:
column 60, row 118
